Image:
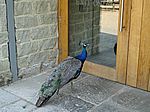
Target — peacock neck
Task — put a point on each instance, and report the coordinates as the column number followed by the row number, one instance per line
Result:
column 83, row 55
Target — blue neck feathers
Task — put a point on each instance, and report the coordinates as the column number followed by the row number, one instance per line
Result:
column 83, row 55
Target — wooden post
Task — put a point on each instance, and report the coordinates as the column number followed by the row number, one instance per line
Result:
column 143, row 79
column 134, row 42
column 63, row 28
column 122, row 43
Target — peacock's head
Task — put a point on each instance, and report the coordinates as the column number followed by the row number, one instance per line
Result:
column 84, row 44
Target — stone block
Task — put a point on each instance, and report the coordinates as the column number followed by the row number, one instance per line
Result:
column 23, row 36
column 97, row 13
column 93, row 89
column 87, row 16
column 22, row 8
column 90, row 8
column 79, row 37
column 97, row 22
column 27, row 88
column 76, row 18
column 96, row 40
column 23, row 49
column 5, row 51
column 53, row 5
column 79, row 27
column 70, row 103
column 110, row 107
column 29, row 71
column 3, row 37
column 7, row 98
column 3, row 18
column 3, row 10
column 34, row 47
column 40, row 7
column 38, row 58
column 27, row 48
column 72, row 29
column 22, row 61
column 96, row 31
column 88, row 25
column 88, row 34
column 4, row 65
column 47, row 18
column 19, row 106
column 74, row 8
column 2, row 1
column 3, row 25
column 53, row 53
column 133, row 99
column 27, row 21
column 7, row 78
column 71, row 39
column 40, row 33
column 46, row 44
column 53, row 30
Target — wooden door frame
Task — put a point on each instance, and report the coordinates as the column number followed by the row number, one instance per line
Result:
column 120, row 73
column 63, row 17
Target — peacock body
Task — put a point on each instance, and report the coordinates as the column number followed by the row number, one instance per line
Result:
column 64, row 73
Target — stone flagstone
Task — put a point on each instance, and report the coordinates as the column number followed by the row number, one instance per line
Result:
column 93, row 89
column 6, row 98
column 27, row 88
column 20, row 106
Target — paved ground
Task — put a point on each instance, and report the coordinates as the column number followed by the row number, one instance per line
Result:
column 89, row 94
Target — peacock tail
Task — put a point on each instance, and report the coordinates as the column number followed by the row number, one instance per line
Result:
column 48, row 88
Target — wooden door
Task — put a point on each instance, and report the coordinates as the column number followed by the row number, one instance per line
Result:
column 119, row 74
column 138, row 74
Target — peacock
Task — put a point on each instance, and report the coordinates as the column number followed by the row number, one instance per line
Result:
column 65, row 72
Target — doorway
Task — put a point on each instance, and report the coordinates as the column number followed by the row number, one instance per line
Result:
column 96, row 23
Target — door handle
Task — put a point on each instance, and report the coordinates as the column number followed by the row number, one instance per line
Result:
column 121, row 16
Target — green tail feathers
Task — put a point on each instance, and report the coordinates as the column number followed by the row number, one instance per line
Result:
column 47, row 90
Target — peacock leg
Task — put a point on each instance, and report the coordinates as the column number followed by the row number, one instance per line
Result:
column 57, row 91
column 71, row 85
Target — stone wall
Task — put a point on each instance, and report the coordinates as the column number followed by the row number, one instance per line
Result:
column 4, row 61
column 36, row 35
column 83, row 26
